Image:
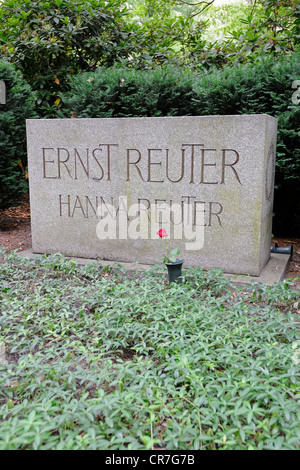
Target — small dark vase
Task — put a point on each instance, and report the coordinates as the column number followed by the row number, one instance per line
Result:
column 174, row 271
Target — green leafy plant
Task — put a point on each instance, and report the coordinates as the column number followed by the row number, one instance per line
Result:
column 100, row 360
column 202, row 36
column 271, row 27
column 170, row 256
column 19, row 106
column 49, row 40
column 124, row 92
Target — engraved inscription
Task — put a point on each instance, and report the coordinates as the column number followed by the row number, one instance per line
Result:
column 199, row 165
column 87, row 207
column 62, row 163
column 193, row 162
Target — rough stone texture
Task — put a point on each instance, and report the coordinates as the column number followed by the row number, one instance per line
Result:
column 218, row 169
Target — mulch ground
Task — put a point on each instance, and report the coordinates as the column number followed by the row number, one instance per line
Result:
column 15, row 233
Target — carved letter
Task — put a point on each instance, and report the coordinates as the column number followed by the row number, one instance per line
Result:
column 96, row 160
column 199, row 213
column 89, row 203
column 206, row 164
column 215, row 213
column 63, row 162
column 86, row 169
column 64, row 203
column 108, row 157
column 153, row 163
column 133, row 163
column 192, row 157
column 79, row 206
column 182, row 166
column 143, row 206
column 102, row 174
column 47, row 161
column 229, row 164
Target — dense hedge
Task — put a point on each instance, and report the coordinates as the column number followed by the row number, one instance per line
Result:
column 265, row 87
column 19, row 106
column 123, row 92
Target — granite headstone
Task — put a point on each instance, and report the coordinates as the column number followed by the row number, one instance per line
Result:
column 101, row 188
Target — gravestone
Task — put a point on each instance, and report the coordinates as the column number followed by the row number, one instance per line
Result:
column 101, row 188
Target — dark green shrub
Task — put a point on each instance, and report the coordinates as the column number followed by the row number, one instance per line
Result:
column 123, row 92
column 19, row 106
column 47, row 40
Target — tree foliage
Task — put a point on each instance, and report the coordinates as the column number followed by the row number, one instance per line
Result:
column 59, row 38
column 48, row 40
column 272, row 26
column 175, row 31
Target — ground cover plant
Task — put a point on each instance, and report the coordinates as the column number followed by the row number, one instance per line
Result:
column 98, row 358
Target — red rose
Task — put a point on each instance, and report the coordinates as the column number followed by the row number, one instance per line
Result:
column 162, row 233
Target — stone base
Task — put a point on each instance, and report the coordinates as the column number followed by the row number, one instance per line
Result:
column 273, row 272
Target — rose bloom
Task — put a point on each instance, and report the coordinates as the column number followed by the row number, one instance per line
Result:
column 162, row 233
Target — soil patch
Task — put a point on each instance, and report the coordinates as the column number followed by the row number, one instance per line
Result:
column 15, row 229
